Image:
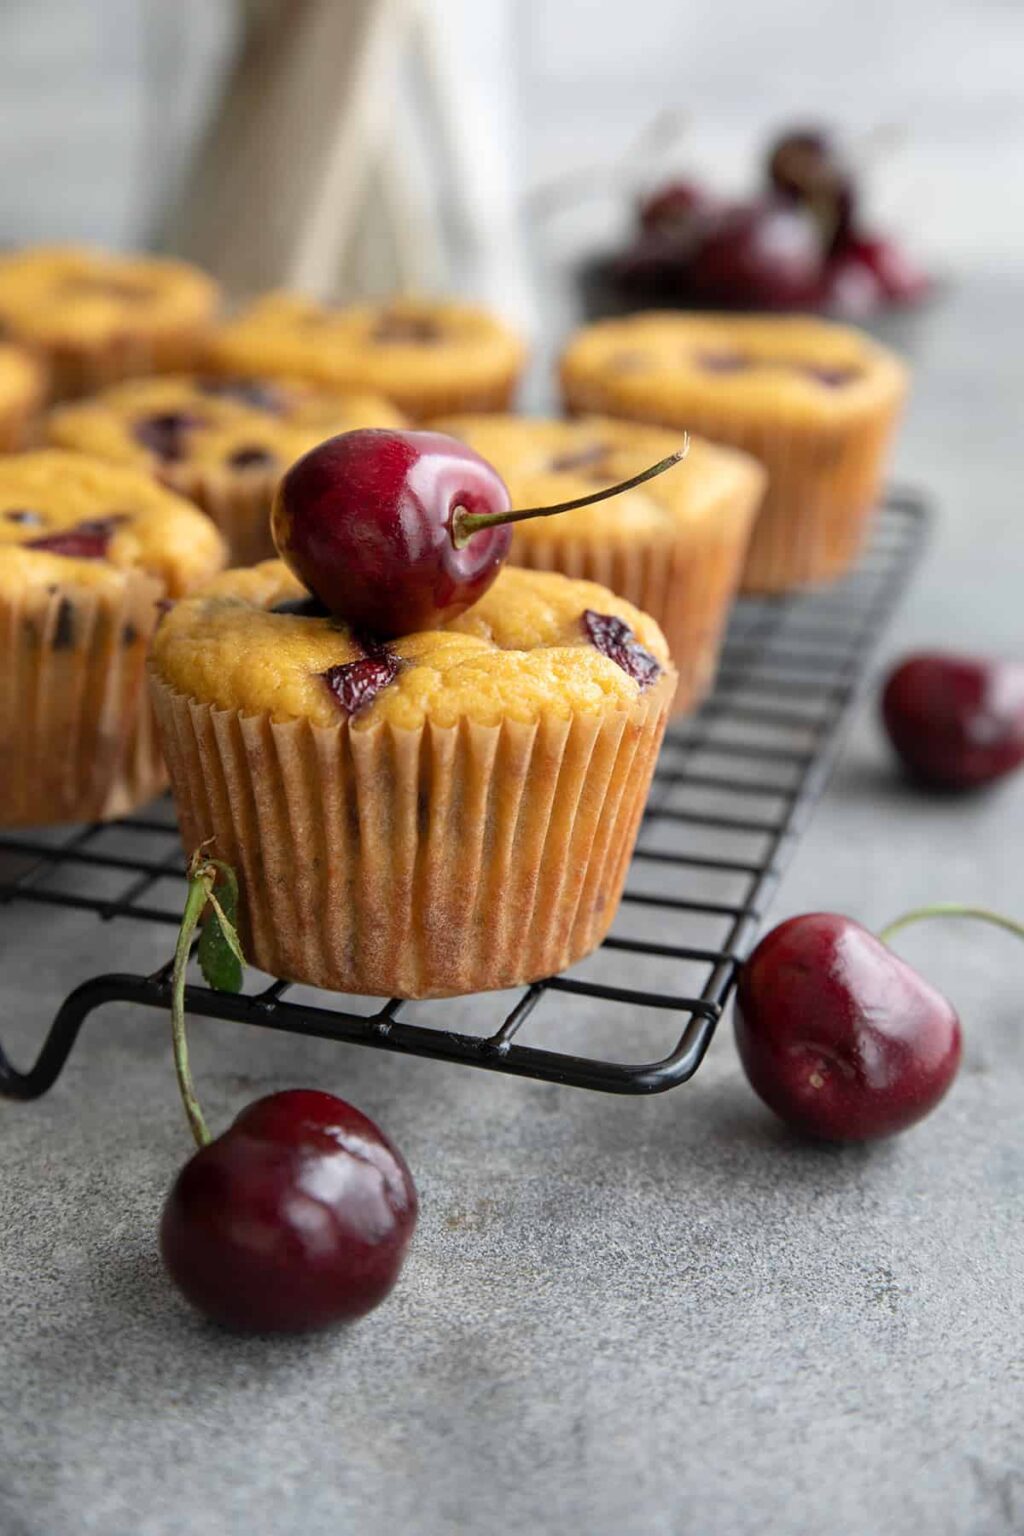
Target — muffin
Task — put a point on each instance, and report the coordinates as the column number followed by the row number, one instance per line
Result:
column 449, row 813
column 87, row 551
column 222, row 442
column 816, row 403
column 22, row 394
column 96, row 318
column 426, row 357
column 673, row 547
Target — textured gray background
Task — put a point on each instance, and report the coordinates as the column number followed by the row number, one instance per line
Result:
column 618, row 1317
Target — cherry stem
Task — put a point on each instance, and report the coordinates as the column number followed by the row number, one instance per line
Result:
column 466, row 524
column 951, row 909
column 201, row 878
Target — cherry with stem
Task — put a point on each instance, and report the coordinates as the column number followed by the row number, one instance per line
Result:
column 397, row 532
column 297, row 1216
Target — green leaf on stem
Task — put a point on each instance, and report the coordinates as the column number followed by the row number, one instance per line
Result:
column 220, row 956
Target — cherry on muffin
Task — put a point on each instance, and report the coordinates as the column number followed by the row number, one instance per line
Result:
column 396, row 532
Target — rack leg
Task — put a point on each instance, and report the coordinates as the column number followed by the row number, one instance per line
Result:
column 68, row 1020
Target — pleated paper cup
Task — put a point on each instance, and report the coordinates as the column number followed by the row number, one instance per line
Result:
column 686, row 582
column 85, row 370
column 416, row 863
column 459, row 399
column 76, row 735
column 824, row 482
column 238, row 504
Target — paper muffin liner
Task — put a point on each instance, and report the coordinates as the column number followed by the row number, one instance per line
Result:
column 239, row 504
column 76, row 735
column 456, row 400
column 416, row 863
column 687, row 583
column 824, row 481
column 84, row 370
column 21, row 420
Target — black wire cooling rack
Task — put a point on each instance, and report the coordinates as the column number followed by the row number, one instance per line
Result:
column 733, row 789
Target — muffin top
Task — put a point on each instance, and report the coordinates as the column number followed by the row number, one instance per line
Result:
column 764, row 366
column 77, row 296
column 410, row 350
column 70, row 520
column 546, row 462
column 241, row 425
column 536, row 644
column 22, row 378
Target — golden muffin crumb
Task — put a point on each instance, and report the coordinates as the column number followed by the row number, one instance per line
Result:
column 521, row 651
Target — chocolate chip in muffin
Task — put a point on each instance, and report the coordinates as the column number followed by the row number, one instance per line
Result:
column 167, row 433
column 614, row 639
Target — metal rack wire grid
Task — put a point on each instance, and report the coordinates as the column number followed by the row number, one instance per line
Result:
column 732, row 792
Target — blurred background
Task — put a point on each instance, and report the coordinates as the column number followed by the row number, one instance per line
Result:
column 106, row 109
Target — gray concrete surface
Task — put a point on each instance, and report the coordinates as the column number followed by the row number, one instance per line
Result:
column 663, row 1318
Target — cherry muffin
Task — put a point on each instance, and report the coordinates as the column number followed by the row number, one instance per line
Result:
column 222, row 442
column 426, row 357
column 452, row 811
column 87, row 551
column 97, row 317
column 816, row 403
column 673, row 547
column 22, row 395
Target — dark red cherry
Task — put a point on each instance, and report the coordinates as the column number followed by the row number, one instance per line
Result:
column 838, row 1035
column 396, row 532
column 672, row 206
column 806, row 167
column 297, row 1217
column 899, row 278
column 88, row 540
column 802, row 160
column 365, row 521
column 956, row 721
column 614, row 638
column 355, row 684
column 166, row 435
column 759, row 257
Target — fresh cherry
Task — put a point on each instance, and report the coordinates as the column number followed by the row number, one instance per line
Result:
column 88, row 540
column 365, row 522
column 838, row 1035
column 396, row 532
column 956, row 721
column 759, row 257
column 297, row 1217
column 300, row 1213
column 897, row 276
column 672, row 207
column 805, row 167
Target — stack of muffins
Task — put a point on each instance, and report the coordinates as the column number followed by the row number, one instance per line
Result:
column 469, row 823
